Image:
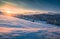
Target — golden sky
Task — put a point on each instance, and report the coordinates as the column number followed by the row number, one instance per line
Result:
column 9, row 8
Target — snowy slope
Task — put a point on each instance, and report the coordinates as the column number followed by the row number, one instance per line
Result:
column 11, row 27
column 12, row 22
column 15, row 22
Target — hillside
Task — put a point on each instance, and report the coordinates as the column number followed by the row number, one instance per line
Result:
column 15, row 28
column 48, row 18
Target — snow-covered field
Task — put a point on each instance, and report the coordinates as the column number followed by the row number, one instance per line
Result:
column 15, row 28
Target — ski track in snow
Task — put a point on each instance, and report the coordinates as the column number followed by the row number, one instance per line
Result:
column 11, row 26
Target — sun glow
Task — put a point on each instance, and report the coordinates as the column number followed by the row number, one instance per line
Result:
column 8, row 9
column 11, row 9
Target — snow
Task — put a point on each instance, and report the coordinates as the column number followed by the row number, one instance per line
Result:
column 20, row 27
column 16, row 22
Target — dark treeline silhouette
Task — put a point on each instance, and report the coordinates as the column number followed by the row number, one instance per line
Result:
column 49, row 18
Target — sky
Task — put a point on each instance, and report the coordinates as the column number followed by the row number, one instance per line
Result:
column 42, row 6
